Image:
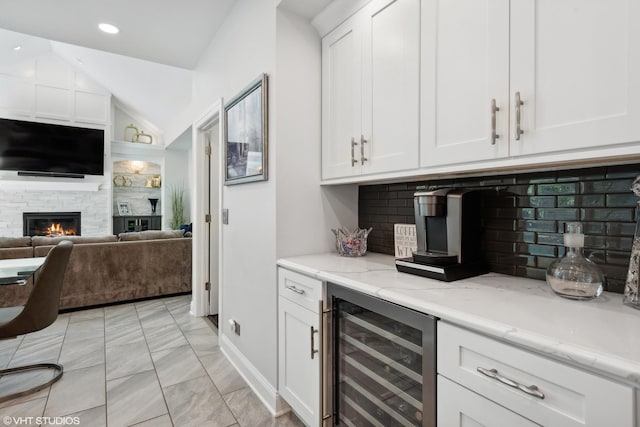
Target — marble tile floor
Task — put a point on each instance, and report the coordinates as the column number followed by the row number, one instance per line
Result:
column 144, row 364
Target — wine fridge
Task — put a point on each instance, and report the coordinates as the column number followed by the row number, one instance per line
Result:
column 381, row 370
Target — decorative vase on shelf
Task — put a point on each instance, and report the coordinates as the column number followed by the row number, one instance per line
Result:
column 154, row 203
column 573, row 276
column 633, row 275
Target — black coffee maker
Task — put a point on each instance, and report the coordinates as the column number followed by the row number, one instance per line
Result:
column 449, row 225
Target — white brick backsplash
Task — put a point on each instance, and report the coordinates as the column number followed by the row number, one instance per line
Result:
column 92, row 205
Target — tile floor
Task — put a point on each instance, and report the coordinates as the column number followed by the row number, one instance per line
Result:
column 145, row 364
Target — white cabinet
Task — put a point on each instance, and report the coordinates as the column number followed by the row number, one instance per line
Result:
column 370, row 101
column 460, row 407
column 574, row 65
column 544, row 391
column 299, row 344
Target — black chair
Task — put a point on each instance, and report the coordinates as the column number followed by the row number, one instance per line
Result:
column 40, row 311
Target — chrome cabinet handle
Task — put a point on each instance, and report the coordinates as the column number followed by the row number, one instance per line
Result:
column 294, row 289
column 494, row 110
column 353, row 154
column 313, row 350
column 519, row 103
column 362, row 142
column 531, row 390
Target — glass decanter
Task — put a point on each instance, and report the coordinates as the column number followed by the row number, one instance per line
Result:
column 633, row 275
column 573, row 276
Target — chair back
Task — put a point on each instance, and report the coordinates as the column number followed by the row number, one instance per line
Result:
column 41, row 309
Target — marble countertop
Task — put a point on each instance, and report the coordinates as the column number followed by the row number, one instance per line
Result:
column 601, row 335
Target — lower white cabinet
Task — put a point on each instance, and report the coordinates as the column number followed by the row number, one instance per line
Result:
column 299, row 344
column 460, row 407
column 539, row 389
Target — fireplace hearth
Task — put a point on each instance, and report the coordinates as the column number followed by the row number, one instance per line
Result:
column 51, row 223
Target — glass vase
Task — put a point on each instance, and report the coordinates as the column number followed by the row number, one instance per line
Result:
column 573, row 276
column 633, row 275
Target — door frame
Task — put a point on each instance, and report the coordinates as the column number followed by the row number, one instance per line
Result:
column 200, row 207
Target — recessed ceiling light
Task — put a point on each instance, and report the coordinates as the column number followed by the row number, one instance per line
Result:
column 17, row 47
column 108, row 28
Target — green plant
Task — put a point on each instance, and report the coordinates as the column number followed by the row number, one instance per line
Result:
column 177, row 206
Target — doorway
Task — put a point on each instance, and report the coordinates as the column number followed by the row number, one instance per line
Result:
column 206, row 219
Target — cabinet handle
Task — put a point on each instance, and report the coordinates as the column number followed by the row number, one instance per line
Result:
column 531, row 390
column 353, row 154
column 313, row 350
column 362, row 142
column 519, row 103
column 494, row 110
column 294, row 289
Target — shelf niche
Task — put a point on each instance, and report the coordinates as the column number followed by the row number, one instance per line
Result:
column 135, row 182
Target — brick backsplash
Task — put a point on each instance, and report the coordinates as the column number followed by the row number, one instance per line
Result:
column 524, row 223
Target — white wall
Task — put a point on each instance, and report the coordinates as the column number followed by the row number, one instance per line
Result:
column 306, row 212
column 290, row 213
column 243, row 48
column 44, row 88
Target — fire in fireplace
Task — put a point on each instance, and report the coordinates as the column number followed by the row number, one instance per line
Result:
column 51, row 223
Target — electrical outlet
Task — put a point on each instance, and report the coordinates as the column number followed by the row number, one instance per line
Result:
column 234, row 326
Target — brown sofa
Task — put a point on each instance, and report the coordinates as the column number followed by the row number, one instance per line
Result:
column 108, row 269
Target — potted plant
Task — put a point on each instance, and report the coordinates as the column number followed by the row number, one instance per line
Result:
column 177, row 207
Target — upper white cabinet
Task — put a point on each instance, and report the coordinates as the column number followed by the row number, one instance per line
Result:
column 522, row 77
column 465, row 66
column 370, row 101
column 576, row 64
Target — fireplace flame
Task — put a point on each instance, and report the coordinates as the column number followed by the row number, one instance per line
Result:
column 58, row 230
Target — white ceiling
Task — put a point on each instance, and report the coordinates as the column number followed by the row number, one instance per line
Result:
column 164, row 31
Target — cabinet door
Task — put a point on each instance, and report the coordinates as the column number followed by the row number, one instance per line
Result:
column 156, row 223
column 118, row 225
column 576, row 64
column 464, row 66
column 458, row 406
column 390, row 82
column 299, row 366
column 341, row 99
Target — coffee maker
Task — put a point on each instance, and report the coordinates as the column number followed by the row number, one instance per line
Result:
column 449, row 226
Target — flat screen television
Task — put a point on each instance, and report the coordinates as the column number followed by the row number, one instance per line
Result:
column 50, row 150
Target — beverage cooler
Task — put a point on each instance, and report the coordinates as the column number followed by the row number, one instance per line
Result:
column 381, row 370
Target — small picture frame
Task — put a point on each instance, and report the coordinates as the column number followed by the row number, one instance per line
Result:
column 124, row 208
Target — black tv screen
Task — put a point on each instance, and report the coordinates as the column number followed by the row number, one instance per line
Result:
column 48, row 149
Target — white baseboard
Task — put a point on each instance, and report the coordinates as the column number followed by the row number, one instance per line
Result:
column 258, row 383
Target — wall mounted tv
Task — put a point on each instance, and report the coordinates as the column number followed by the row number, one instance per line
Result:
column 43, row 149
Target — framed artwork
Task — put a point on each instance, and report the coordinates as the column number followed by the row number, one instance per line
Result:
column 124, row 208
column 245, row 134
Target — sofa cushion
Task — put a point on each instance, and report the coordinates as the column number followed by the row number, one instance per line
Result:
column 150, row 235
column 47, row 241
column 15, row 242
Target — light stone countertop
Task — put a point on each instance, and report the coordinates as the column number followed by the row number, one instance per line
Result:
column 600, row 335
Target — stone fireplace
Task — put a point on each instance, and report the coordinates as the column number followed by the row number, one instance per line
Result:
column 51, row 223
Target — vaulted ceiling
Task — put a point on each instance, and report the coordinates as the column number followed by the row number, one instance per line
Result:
column 146, row 66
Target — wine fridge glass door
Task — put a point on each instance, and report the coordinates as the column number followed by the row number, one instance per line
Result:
column 384, row 364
